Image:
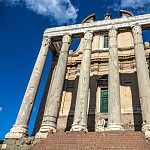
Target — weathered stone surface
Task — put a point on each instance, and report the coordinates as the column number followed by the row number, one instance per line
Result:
column 55, row 92
column 20, row 128
column 114, row 106
column 49, row 81
column 143, row 77
column 57, row 32
column 80, row 117
column 17, row 144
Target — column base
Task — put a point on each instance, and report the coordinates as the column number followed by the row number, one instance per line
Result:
column 114, row 127
column 43, row 132
column 18, row 131
column 146, row 129
column 78, row 127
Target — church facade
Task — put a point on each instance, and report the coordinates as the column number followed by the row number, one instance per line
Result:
column 102, row 86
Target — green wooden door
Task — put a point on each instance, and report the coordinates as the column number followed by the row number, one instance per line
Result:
column 104, row 100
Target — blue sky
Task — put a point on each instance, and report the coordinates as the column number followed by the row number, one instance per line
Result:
column 22, row 23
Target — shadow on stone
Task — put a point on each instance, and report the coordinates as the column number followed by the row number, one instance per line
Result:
column 72, row 106
column 130, row 80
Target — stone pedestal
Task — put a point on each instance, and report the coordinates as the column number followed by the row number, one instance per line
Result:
column 80, row 117
column 143, row 78
column 55, row 92
column 114, row 106
column 20, row 129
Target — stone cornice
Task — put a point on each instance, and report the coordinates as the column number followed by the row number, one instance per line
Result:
column 77, row 30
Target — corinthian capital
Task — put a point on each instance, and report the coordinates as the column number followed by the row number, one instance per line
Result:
column 136, row 29
column 112, row 32
column 67, row 38
column 88, row 35
column 46, row 41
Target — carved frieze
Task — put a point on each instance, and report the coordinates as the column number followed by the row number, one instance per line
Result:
column 79, row 29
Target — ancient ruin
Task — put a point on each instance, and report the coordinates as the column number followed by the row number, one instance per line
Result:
column 102, row 86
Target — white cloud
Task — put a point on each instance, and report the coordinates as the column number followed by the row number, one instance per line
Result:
column 61, row 10
column 135, row 6
column 1, row 109
column 134, row 3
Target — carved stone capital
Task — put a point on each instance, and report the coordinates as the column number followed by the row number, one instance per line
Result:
column 112, row 32
column 136, row 29
column 67, row 38
column 46, row 41
column 88, row 35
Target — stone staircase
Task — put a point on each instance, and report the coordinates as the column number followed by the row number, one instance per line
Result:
column 127, row 140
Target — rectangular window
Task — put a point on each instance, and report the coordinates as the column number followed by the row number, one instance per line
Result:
column 106, row 41
column 104, row 100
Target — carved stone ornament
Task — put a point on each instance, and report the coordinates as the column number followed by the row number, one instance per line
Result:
column 146, row 44
column 88, row 35
column 112, row 32
column 66, row 38
column 46, row 41
column 136, row 29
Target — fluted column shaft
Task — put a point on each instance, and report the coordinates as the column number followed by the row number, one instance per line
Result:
column 20, row 128
column 80, row 116
column 143, row 77
column 55, row 92
column 114, row 106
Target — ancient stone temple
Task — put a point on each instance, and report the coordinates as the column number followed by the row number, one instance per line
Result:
column 98, row 96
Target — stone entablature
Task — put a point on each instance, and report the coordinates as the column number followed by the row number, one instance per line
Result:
column 105, row 25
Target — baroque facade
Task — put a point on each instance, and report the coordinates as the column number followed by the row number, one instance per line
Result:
column 103, row 85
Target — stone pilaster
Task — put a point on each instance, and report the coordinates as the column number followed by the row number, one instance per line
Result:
column 55, row 92
column 20, row 128
column 80, row 116
column 143, row 77
column 49, row 81
column 114, row 106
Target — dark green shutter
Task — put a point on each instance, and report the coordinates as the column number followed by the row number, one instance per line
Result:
column 104, row 100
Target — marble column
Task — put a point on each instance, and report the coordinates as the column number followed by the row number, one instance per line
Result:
column 80, row 116
column 143, row 77
column 20, row 127
column 114, row 106
column 55, row 92
column 49, row 81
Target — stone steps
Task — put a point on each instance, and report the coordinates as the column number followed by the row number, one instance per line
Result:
column 127, row 140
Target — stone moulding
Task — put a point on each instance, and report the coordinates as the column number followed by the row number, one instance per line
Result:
column 77, row 30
